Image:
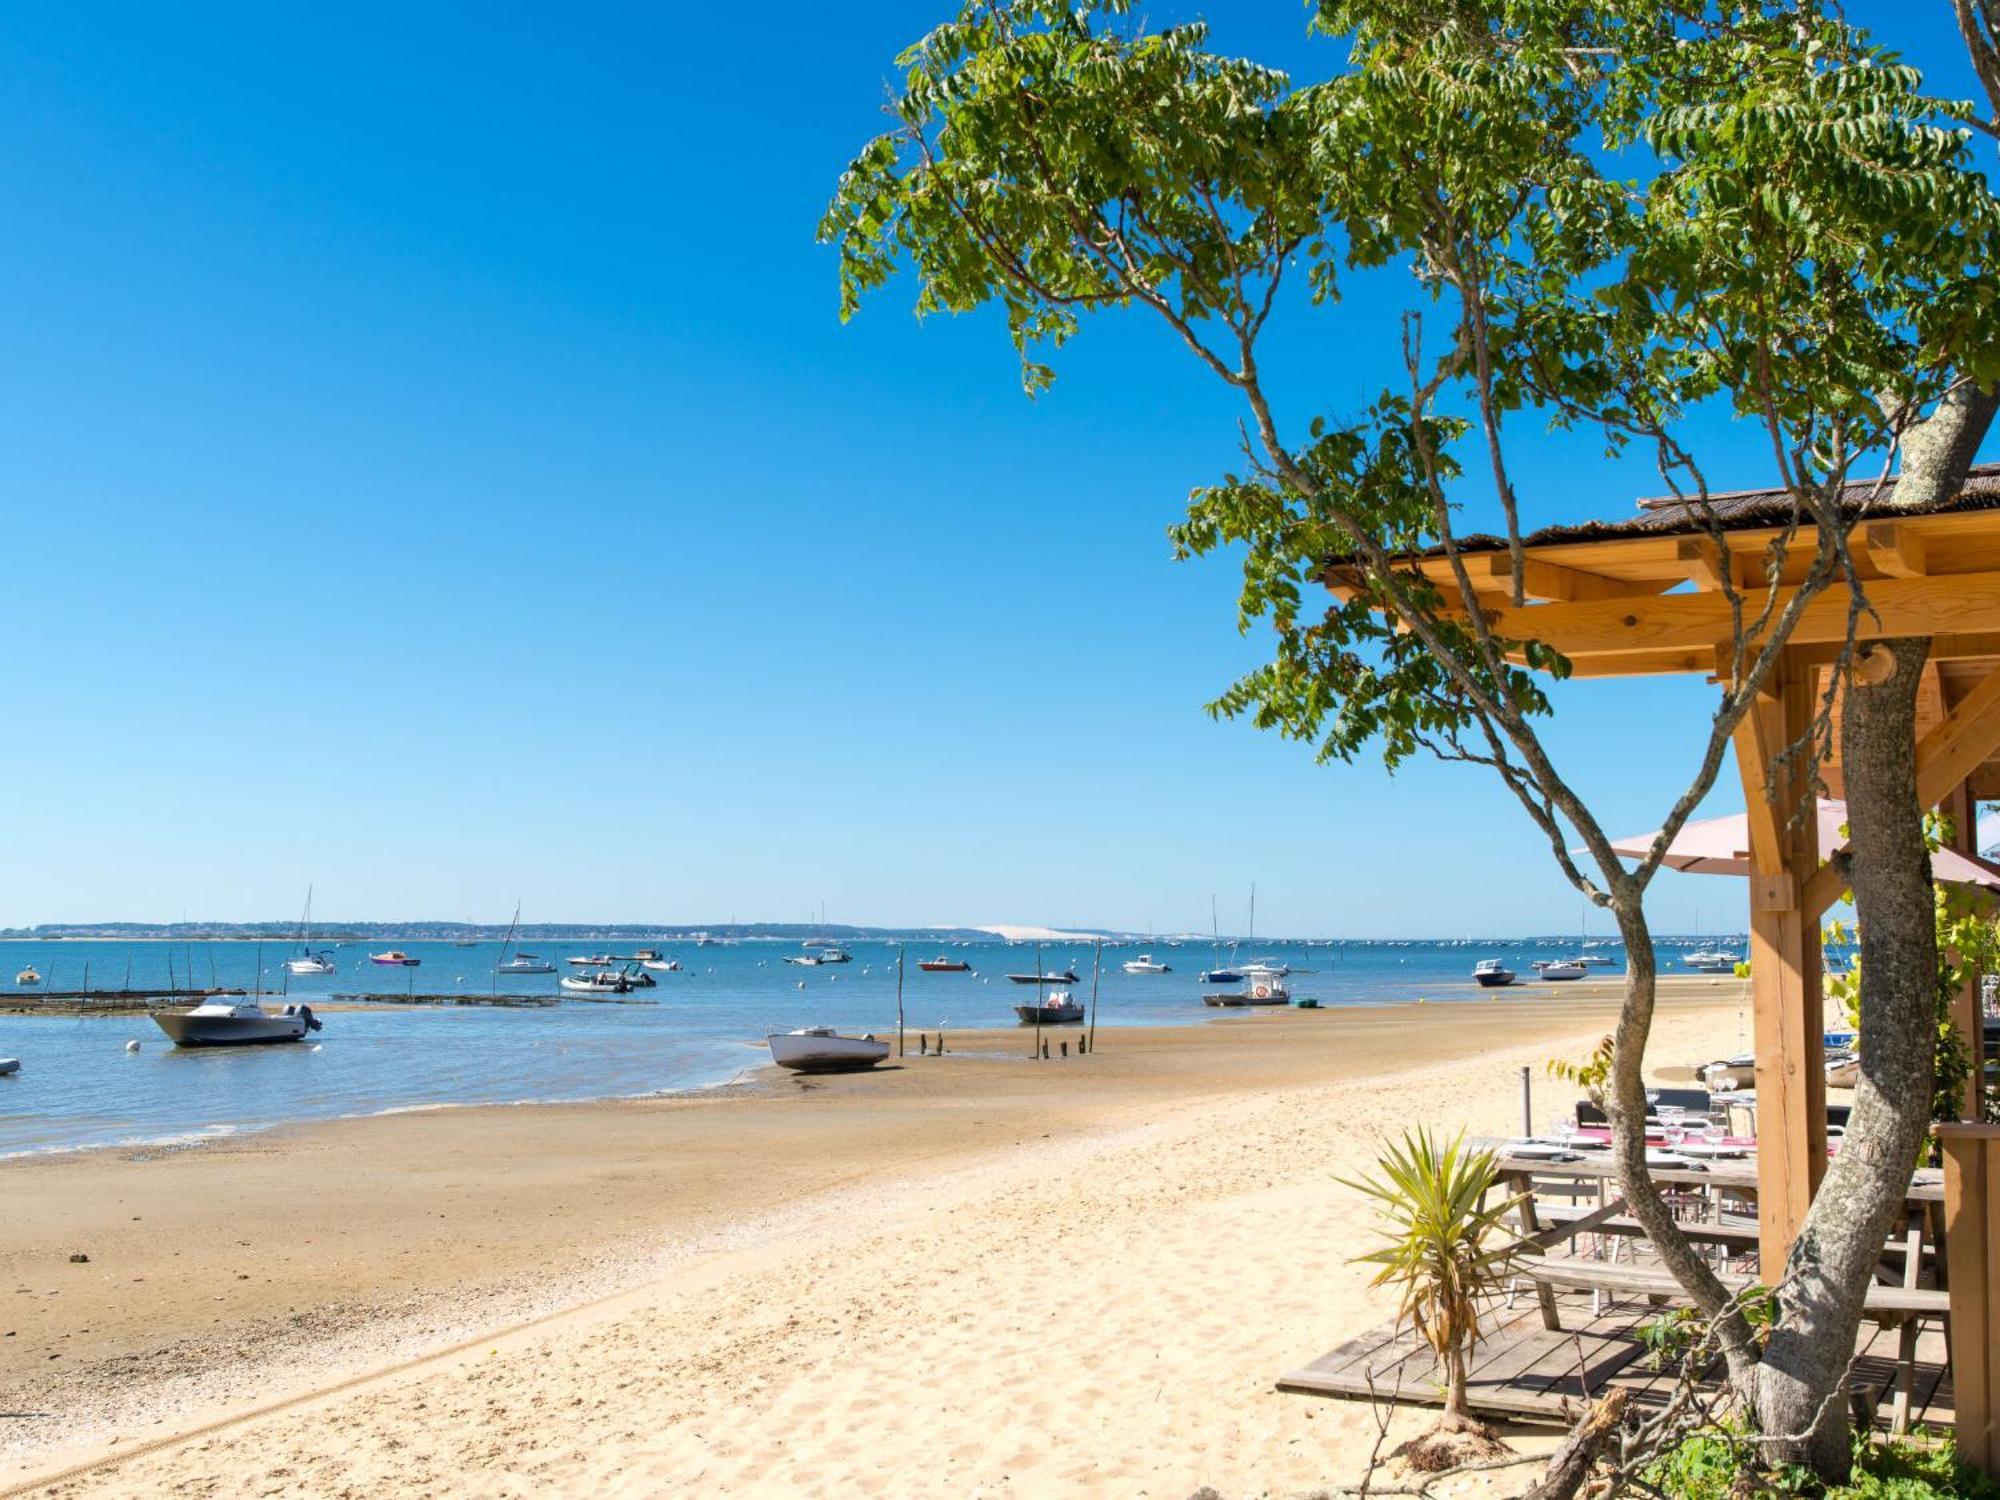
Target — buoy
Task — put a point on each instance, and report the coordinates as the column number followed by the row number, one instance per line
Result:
column 802, row 984
column 133, row 1045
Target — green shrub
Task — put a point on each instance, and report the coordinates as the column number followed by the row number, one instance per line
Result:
column 1705, row 1467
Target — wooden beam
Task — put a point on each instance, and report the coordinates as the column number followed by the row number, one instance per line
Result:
column 1902, row 606
column 1645, row 664
column 1823, row 887
column 1702, row 560
column 1964, row 739
column 1787, row 992
column 1967, row 1009
column 1897, row 550
column 1757, row 747
column 1972, row 1251
column 1547, row 580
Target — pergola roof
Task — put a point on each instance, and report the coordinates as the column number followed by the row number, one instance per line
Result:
column 1735, row 510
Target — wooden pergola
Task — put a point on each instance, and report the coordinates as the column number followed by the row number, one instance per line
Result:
column 1645, row 597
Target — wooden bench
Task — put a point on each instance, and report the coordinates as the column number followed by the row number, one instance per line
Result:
column 1596, row 1275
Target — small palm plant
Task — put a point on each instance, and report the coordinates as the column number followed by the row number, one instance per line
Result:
column 1442, row 1254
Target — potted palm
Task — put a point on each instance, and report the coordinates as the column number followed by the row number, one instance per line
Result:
column 1447, row 1250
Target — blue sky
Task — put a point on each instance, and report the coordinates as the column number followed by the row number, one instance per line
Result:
column 432, row 468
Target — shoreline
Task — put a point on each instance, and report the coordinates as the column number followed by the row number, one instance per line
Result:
column 331, row 1252
column 196, row 1136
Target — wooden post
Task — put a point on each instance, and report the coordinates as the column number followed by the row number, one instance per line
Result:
column 899, row 1000
column 1096, row 964
column 1972, row 1249
column 1787, row 998
column 1967, row 1012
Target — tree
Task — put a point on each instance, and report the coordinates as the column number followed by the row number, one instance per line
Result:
column 1607, row 217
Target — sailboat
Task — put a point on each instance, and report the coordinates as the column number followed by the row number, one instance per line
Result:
column 519, row 962
column 1224, row 973
column 309, row 962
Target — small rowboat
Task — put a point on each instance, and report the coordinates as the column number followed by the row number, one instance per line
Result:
column 821, row 1049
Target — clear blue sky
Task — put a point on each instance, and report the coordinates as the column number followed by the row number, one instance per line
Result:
column 432, row 468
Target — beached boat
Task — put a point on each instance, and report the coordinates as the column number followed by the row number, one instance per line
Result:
column 821, row 1049
column 1068, row 976
column 1738, row 1072
column 1144, row 964
column 1558, row 968
column 1492, row 974
column 29, row 975
column 309, row 962
column 1266, row 991
column 236, row 1021
column 395, row 958
column 943, row 965
column 1060, row 1009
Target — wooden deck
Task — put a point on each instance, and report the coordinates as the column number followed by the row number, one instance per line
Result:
column 1525, row 1372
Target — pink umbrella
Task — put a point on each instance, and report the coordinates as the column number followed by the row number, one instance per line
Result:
column 1721, row 846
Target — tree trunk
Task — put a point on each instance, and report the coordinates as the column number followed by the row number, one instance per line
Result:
column 1801, row 1398
column 1939, row 449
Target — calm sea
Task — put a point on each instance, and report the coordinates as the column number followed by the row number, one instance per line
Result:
column 79, row 1086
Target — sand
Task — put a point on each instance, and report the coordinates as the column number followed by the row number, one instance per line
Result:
column 971, row 1276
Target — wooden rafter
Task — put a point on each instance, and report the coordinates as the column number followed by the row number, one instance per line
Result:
column 1898, row 550
column 1553, row 581
column 1960, row 742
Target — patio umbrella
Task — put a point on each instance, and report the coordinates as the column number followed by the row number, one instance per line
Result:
column 1721, row 846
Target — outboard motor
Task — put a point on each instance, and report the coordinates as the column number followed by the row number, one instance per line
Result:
column 313, row 1022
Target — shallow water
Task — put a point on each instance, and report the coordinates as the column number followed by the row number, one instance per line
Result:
column 79, row 1086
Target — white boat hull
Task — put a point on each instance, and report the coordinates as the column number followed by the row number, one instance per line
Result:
column 191, row 1028
column 809, row 1052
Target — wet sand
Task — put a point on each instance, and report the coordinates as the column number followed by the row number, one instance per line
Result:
column 979, row 1273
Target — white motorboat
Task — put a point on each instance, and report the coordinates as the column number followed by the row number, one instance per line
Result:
column 1712, row 961
column 833, row 953
column 1558, row 968
column 28, row 976
column 662, row 965
column 1144, row 964
column 821, row 1049
column 609, row 982
column 591, row 960
column 236, row 1021
column 1266, row 968
column 1492, row 974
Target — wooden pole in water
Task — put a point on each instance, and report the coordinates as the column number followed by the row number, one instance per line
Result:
column 1096, row 964
column 1037, row 1051
column 899, row 1000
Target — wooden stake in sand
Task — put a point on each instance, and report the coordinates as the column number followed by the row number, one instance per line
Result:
column 1096, row 963
column 1036, row 1051
column 899, row 1000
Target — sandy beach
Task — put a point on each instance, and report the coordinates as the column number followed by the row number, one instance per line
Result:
column 975, row 1275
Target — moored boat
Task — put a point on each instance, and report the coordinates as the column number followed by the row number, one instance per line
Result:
column 1558, row 968
column 1059, row 1009
column 609, row 982
column 1067, row 976
column 1712, row 961
column 1492, row 974
column 395, row 958
column 28, row 976
column 943, row 965
column 308, row 961
column 663, row 965
column 1263, row 991
column 1144, row 964
column 235, row 1021
column 9, row 1065
column 821, row 1049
